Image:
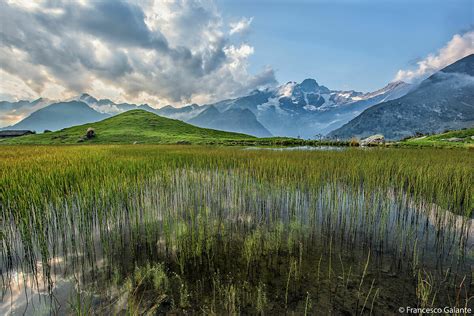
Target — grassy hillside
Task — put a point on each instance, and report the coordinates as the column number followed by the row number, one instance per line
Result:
column 444, row 139
column 134, row 126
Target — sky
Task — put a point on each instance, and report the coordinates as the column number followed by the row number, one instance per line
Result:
column 350, row 44
column 199, row 51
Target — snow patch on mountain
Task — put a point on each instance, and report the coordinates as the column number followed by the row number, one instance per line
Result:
column 286, row 90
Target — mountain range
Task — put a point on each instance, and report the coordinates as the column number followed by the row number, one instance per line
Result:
column 442, row 101
column 306, row 109
column 297, row 110
column 293, row 109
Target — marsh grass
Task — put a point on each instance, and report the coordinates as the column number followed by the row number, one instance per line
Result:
column 222, row 230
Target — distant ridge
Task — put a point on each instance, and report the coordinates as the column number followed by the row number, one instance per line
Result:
column 232, row 120
column 57, row 116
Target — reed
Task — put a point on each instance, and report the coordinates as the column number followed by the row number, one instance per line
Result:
column 227, row 230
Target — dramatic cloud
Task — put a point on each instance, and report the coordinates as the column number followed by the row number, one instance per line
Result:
column 159, row 52
column 241, row 26
column 458, row 47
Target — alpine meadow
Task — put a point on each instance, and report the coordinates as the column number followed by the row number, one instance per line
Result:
column 153, row 161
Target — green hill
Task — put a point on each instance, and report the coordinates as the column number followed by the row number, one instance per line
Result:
column 459, row 138
column 135, row 126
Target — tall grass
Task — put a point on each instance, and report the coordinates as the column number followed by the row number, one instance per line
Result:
column 210, row 229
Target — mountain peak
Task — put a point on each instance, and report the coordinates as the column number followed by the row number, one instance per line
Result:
column 309, row 85
column 59, row 115
column 105, row 102
column 87, row 98
column 390, row 86
column 211, row 109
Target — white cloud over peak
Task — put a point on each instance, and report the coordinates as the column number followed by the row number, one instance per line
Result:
column 159, row 52
column 458, row 47
column 241, row 26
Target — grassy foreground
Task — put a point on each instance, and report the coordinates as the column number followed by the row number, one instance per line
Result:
column 443, row 177
column 188, row 229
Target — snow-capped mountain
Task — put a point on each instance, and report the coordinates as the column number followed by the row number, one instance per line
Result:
column 307, row 108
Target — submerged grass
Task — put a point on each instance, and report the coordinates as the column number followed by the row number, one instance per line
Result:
column 222, row 230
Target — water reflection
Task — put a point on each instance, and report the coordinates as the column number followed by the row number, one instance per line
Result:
column 301, row 148
column 207, row 232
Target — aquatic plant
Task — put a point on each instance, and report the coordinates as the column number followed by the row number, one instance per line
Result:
column 226, row 230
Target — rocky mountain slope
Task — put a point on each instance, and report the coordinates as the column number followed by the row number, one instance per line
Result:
column 444, row 101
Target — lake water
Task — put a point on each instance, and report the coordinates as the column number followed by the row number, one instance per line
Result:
column 227, row 234
column 302, row 148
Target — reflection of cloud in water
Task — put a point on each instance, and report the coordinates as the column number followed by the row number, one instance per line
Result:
column 456, row 223
column 28, row 295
